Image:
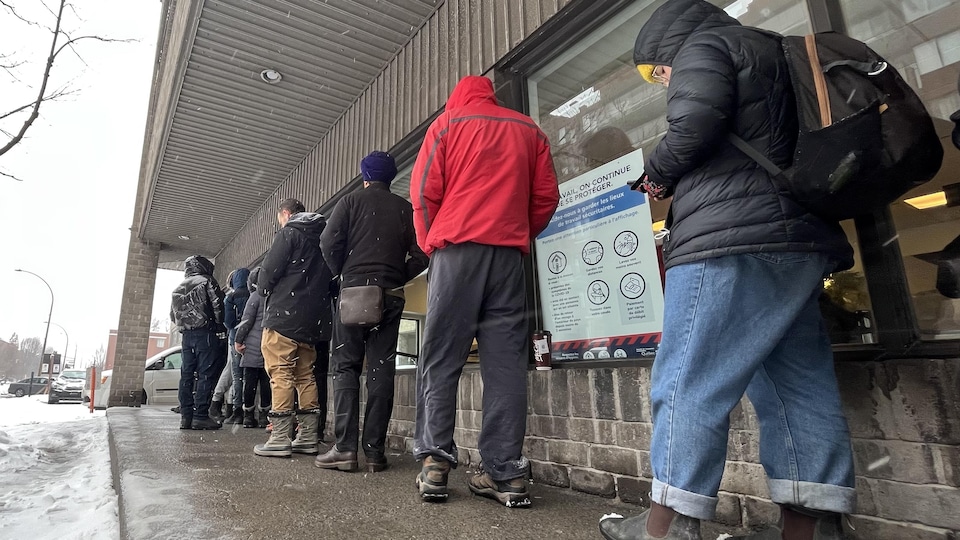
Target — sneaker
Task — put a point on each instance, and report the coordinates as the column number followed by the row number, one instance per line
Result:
column 616, row 527
column 205, row 423
column 511, row 493
column 432, row 480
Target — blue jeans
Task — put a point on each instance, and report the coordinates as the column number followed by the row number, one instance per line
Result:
column 748, row 323
column 203, row 355
column 236, row 371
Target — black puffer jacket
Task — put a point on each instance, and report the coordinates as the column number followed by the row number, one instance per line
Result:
column 371, row 241
column 296, row 282
column 725, row 78
column 198, row 301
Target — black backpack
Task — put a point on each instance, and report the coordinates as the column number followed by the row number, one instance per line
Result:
column 865, row 137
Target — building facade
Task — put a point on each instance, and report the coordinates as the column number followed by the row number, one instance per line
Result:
column 253, row 104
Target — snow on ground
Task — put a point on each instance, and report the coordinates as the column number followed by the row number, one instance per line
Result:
column 55, row 478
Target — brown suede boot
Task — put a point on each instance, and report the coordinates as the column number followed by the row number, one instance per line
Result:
column 432, row 480
column 511, row 493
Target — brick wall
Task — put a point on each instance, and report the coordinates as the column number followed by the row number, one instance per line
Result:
column 133, row 331
column 589, row 430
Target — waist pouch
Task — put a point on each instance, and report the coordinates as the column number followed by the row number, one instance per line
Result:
column 361, row 306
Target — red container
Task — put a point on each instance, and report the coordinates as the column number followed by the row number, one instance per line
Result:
column 542, row 345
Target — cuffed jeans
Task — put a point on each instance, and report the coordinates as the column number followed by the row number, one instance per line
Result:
column 203, row 355
column 477, row 291
column 378, row 344
column 290, row 366
column 748, row 323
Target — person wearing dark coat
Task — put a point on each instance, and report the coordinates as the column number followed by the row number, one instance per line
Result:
column 744, row 272
column 247, row 344
column 233, row 304
column 369, row 240
column 197, row 311
column 295, row 285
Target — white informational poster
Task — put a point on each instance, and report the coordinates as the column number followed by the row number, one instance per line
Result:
column 599, row 273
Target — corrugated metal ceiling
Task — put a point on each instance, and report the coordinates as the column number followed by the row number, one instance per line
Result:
column 233, row 138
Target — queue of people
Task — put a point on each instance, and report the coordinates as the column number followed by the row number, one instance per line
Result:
column 483, row 187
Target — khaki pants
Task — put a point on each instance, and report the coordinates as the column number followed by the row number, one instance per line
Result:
column 290, row 365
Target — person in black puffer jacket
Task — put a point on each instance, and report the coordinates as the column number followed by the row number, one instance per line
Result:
column 745, row 266
column 197, row 310
column 295, row 284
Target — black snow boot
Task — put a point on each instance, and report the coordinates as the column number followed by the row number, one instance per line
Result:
column 186, row 422
column 216, row 409
column 236, row 417
column 249, row 418
column 205, row 423
column 227, row 410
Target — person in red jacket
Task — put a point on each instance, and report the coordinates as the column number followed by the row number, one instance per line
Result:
column 482, row 188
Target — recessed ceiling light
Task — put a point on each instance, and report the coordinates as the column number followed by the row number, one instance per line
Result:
column 183, row 237
column 270, row 76
column 931, row 200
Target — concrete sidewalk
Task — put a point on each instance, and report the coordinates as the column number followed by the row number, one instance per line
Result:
column 177, row 484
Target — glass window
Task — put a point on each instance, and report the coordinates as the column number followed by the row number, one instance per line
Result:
column 172, row 361
column 160, row 343
column 601, row 293
column 921, row 38
column 408, row 342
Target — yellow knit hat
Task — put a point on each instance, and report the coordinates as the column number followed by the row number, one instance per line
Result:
column 646, row 71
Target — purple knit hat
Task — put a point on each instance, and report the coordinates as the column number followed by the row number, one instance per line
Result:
column 378, row 167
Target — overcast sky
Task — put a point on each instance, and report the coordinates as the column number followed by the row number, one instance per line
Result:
column 69, row 219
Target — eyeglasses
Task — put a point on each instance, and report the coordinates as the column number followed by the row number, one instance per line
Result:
column 659, row 76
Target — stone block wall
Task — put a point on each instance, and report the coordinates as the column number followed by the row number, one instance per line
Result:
column 589, row 430
column 133, row 332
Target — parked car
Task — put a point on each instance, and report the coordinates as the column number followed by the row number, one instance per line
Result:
column 23, row 387
column 69, row 385
column 161, row 381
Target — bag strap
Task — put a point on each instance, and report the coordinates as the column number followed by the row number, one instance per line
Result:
column 819, row 81
column 754, row 154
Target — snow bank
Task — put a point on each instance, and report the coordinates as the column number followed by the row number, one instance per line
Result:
column 55, row 478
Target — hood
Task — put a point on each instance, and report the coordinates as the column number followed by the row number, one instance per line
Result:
column 198, row 266
column 307, row 222
column 252, row 279
column 662, row 36
column 239, row 279
column 472, row 90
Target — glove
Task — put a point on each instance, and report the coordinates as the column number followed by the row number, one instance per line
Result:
column 656, row 191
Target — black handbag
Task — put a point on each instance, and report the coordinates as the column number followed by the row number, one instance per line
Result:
column 361, row 306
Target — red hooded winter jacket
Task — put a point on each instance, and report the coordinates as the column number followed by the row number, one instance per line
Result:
column 484, row 174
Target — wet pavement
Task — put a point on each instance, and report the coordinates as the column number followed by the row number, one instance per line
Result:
column 208, row 484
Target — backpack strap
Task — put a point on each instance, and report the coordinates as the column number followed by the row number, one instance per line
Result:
column 819, row 81
column 754, row 154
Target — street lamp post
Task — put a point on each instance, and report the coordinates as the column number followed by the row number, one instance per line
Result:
column 49, row 318
column 66, row 347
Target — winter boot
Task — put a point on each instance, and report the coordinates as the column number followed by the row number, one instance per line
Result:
column 262, row 419
column 616, row 527
column 186, row 422
column 377, row 463
column 236, row 415
column 278, row 445
column 228, row 410
column 511, row 493
column 249, row 418
column 432, row 480
column 205, row 423
column 306, row 441
column 823, row 525
column 216, row 409
column 335, row 459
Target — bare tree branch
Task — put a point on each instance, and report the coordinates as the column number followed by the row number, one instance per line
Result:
column 12, row 177
column 13, row 11
column 98, row 38
column 43, row 87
